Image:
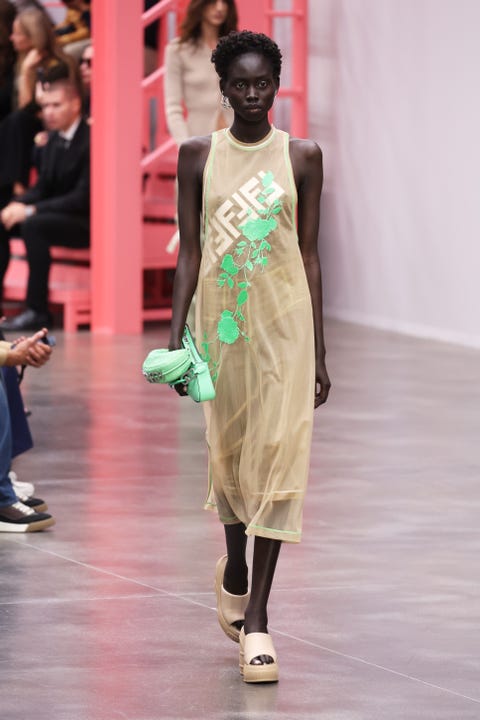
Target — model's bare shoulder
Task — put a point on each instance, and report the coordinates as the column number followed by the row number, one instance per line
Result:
column 193, row 153
column 196, row 144
column 306, row 149
column 306, row 158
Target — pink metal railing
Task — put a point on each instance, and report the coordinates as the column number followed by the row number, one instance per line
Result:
column 298, row 91
column 152, row 87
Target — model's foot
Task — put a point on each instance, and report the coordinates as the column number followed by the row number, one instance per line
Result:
column 258, row 659
column 230, row 605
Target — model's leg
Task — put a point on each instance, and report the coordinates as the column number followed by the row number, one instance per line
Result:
column 265, row 556
column 235, row 579
column 231, row 582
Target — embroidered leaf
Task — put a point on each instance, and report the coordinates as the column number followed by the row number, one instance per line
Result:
column 255, row 253
column 220, row 282
column 242, row 297
column 249, row 265
column 242, row 243
column 269, row 190
column 267, row 179
column 264, row 245
column 243, row 284
column 228, row 265
column 261, row 198
column 230, row 283
column 227, row 328
column 239, row 251
column 240, row 316
column 263, row 211
column 276, row 209
column 264, row 261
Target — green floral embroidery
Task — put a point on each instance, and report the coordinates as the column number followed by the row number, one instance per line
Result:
column 238, row 268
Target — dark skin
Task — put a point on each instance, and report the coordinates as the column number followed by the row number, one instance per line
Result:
column 251, row 88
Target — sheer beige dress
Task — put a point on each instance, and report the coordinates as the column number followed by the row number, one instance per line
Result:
column 255, row 328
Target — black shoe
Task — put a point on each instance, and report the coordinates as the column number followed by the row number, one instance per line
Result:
column 27, row 320
column 20, row 518
column 32, row 502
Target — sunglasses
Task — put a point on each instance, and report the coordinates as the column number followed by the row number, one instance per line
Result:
column 86, row 61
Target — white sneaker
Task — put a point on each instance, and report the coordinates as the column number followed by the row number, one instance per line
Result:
column 23, row 488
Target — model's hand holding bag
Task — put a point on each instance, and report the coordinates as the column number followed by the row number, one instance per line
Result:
column 181, row 367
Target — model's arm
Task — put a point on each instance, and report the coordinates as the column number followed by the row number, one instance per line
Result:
column 191, row 162
column 308, row 169
column 173, row 94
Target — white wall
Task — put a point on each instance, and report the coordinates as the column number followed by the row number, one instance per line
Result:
column 394, row 103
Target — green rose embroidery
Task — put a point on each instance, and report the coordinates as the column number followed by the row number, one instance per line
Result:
column 227, row 328
column 239, row 267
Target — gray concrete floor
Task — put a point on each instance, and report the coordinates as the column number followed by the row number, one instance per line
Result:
column 375, row 615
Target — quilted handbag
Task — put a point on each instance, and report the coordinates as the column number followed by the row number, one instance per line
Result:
column 181, row 367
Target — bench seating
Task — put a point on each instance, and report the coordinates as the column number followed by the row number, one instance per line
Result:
column 69, row 284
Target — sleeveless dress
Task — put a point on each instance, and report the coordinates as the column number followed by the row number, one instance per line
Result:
column 255, row 328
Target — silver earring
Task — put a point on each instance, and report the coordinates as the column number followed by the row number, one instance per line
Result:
column 226, row 103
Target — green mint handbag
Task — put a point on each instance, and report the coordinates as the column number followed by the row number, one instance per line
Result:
column 181, row 367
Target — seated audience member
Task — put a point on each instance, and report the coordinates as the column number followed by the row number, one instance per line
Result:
column 7, row 57
column 55, row 211
column 86, row 75
column 27, row 514
column 37, row 52
column 73, row 33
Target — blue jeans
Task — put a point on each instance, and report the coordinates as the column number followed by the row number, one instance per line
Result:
column 7, row 494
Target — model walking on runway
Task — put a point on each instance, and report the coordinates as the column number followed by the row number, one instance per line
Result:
column 254, row 193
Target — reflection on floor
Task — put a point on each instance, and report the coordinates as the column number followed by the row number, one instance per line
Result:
column 375, row 615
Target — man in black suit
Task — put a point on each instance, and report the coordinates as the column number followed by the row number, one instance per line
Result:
column 55, row 211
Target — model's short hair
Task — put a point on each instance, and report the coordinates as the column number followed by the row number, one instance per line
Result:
column 239, row 43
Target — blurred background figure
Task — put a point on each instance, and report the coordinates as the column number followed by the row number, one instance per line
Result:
column 85, row 63
column 56, row 210
column 193, row 101
column 7, row 57
column 73, row 32
column 37, row 52
column 191, row 84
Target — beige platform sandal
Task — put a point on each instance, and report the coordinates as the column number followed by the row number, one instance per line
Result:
column 230, row 608
column 251, row 646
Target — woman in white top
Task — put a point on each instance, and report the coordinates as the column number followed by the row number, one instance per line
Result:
column 191, row 83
